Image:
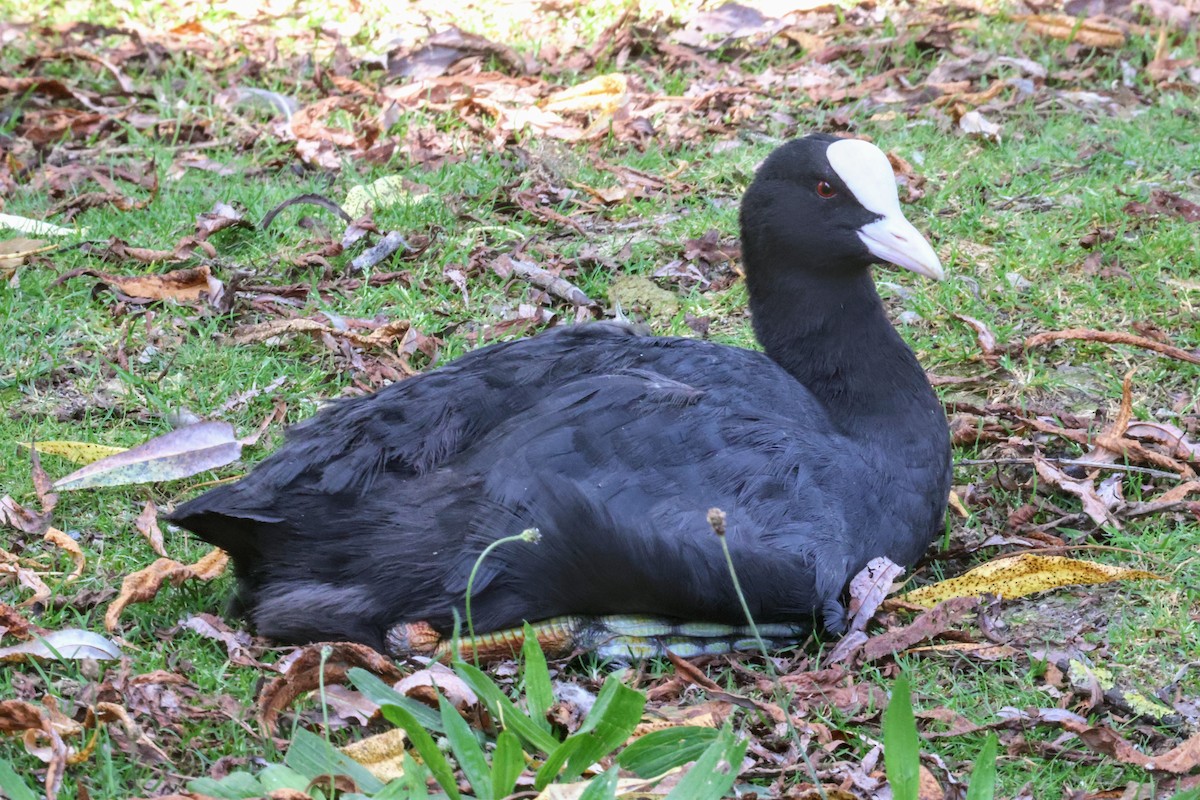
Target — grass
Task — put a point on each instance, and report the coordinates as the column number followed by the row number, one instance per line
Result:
column 1061, row 170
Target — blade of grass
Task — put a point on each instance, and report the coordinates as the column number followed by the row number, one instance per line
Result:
column 504, row 710
column 443, row 773
column 508, row 762
column 380, row 693
column 539, row 695
column 467, row 751
column 901, row 748
column 660, row 751
column 983, row 776
column 602, row 787
column 715, row 771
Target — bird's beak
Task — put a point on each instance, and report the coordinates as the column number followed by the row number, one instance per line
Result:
column 893, row 239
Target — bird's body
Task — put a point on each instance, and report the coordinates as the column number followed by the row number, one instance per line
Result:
column 824, row 452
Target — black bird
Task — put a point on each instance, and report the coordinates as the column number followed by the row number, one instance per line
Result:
column 825, row 451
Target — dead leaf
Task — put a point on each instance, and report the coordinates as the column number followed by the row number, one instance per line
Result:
column 869, row 588
column 974, row 123
column 182, row 285
column 1166, row 204
column 144, row 584
column 178, row 454
column 147, row 525
column 1021, row 575
column 304, row 675
column 76, row 452
column 1083, row 488
column 238, row 644
column 59, row 539
column 604, row 93
column 382, row 754
column 928, row 625
column 69, row 644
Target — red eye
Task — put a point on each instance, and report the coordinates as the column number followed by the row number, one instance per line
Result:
column 824, row 189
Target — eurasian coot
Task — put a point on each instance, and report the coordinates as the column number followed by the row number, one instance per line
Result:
column 825, row 451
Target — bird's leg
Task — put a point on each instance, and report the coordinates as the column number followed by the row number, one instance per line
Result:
column 621, row 638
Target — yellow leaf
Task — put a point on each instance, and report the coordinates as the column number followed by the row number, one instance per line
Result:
column 383, row 193
column 382, row 754
column 1017, row 576
column 77, row 452
column 605, row 93
column 59, row 539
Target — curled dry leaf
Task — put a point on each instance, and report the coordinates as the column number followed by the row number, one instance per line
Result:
column 1083, row 488
column 869, row 588
column 973, row 123
column 304, row 675
column 178, row 454
column 1021, row 575
column 182, row 285
column 604, row 93
column 11, row 566
column 144, row 584
column 147, row 525
column 382, row 754
column 238, row 644
column 59, row 539
column 928, row 625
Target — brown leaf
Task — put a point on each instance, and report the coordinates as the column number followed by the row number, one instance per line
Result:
column 928, row 625
column 1083, row 488
column 144, row 584
column 1165, row 203
column 238, row 644
column 304, row 675
column 59, row 539
column 190, row 285
column 147, row 525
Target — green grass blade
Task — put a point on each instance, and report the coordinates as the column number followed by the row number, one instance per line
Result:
column 715, row 771
column 234, row 786
column 508, row 762
column 983, row 776
column 467, row 750
column 617, row 711
column 380, row 693
column 539, row 695
column 901, row 748
column 12, row 784
column 660, row 751
column 504, row 710
column 555, row 760
column 424, row 744
column 1188, row 794
column 602, row 787
column 311, row 755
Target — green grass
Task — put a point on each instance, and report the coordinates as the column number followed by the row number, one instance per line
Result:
column 991, row 209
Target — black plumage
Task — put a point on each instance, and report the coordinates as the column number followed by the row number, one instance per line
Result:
column 825, row 451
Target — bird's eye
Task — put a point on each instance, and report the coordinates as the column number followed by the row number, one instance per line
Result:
column 825, row 189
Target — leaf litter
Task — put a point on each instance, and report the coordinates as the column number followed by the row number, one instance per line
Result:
column 498, row 98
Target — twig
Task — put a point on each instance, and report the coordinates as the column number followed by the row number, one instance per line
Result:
column 1111, row 337
column 1070, row 462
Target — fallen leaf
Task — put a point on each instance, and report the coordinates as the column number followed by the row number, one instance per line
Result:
column 1083, row 488
column 382, row 754
column 147, row 525
column 69, row 644
column 144, row 584
column 238, row 644
column 1165, row 203
column 1021, row 575
column 37, row 228
column 974, row 123
column 76, row 452
column 182, row 285
column 604, row 93
column 178, row 454
column 383, row 193
column 59, row 539
column 305, row 674
column 935, row 622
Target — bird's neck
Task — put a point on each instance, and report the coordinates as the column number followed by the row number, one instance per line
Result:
column 833, row 336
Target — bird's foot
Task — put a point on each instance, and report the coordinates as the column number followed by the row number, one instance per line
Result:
column 622, row 638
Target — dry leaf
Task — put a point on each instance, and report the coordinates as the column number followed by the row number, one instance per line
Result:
column 147, row 525
column 178, row 454
column 182, row 285
column 1083, row 488
column 76, row 452
column 1021, row 575
column 382, row 754
column 604, row 93
column 70, row 643
column 59, row 539
column 144, row 584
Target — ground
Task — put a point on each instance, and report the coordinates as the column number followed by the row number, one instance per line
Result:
column 1052, row 160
